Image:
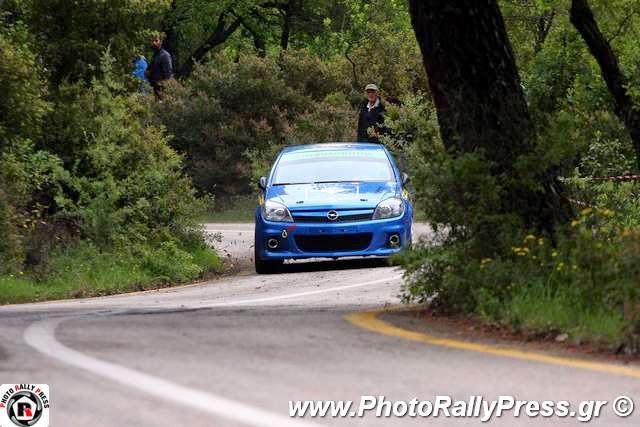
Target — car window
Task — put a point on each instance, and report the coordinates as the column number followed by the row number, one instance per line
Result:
column 305, row 167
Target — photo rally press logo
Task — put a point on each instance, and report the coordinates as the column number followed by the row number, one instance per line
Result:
column 24, row 405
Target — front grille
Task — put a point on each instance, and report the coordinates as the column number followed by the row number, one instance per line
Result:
column 334, row 243
column 324, row 219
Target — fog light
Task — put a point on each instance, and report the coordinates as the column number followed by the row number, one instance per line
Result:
column 272, row 243
column 394, row 240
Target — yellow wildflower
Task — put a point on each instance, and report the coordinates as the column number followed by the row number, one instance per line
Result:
column 530, row 237
column 608, row 213
column 541, row 241
column 575, row 223
column 586, row 211
column 554, row 254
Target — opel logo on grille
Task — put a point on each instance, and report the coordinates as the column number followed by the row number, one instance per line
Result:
column 332, row 215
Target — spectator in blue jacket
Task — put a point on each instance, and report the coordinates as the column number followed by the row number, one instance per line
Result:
column 140, row 65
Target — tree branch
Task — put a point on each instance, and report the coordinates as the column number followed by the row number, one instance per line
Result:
column 583, row 20
column 543, row 26
column 220, row 35
column 623, row 25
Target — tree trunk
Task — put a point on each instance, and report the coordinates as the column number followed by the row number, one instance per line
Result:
column 479, row 99
column 543, row 26
column 259, row 44
column 288, row 11
column 582, row 18
column 170, row 34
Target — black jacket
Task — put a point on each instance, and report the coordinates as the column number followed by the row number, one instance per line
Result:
column 367, row 119
column 161, row 67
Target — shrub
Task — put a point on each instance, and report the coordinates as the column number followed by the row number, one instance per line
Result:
column 584, row 283
column 579, row 277
column 27, row 174
column 124, row 183
column 22, row 104
column 230, row 118
column 103, row 174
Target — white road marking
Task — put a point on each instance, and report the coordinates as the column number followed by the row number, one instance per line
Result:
column 41, row 336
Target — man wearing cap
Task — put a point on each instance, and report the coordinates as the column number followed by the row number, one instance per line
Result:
column 371, row 115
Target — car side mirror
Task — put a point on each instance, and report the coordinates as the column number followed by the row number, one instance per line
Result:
column 262, row 183
column 405, row 178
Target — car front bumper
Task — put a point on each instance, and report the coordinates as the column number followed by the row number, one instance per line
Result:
column 328, row 240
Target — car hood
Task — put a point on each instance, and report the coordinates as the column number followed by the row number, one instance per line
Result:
column 361, row 195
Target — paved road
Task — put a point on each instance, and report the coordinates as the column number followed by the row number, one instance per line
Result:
column 233, row 352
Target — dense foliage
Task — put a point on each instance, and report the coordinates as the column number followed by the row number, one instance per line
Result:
column 230, row 114
column 83, row 170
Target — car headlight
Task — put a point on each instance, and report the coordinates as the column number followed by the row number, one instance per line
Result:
column 389, row 208
column 274, row 211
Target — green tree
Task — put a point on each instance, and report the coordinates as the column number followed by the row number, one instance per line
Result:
column 25, row 173
column 618, row 83
column 72, row 36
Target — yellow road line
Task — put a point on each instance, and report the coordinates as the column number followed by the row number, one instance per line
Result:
column 370, row 321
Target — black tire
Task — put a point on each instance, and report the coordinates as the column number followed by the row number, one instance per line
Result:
column 264, row 266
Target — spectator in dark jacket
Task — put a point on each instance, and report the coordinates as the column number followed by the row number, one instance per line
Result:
column 161, row 67
column 371, row 118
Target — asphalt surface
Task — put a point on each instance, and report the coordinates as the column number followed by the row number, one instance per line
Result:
column 235, row 351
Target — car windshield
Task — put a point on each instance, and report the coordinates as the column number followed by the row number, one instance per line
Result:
column 326, row 166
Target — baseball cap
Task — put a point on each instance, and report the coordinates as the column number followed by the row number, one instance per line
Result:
column 371, row 86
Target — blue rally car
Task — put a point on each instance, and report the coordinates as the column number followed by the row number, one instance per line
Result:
column 331, row 200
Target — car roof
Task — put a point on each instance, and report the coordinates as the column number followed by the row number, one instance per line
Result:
column 334, row 146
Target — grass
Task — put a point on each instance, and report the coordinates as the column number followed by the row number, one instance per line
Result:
column 85, row 271
column 535, row 308
column 234, row 209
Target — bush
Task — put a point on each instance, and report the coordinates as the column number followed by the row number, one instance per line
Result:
column 579, row 277
column 101, row 181
column 232, row 116
column 584, row 283
column 124, row 184
column 27, row 174
column 22, row 105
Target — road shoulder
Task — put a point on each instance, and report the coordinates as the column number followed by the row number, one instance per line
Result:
column 409, row 323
